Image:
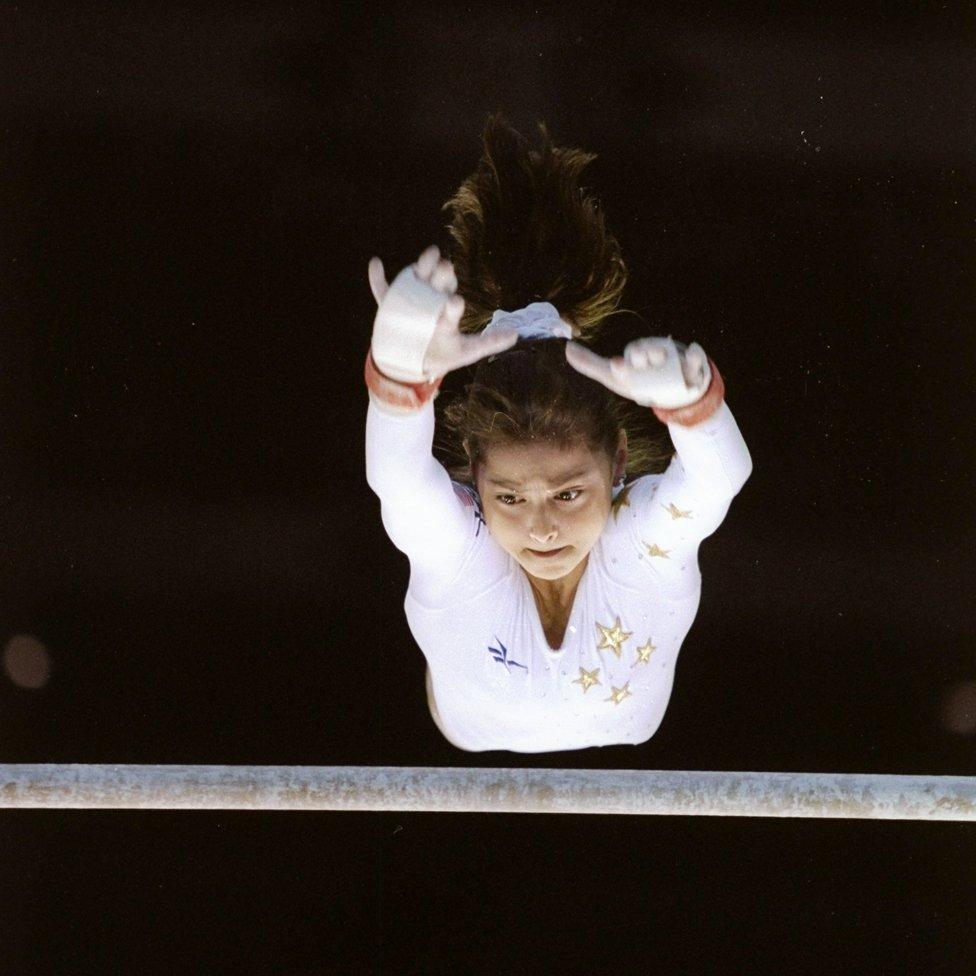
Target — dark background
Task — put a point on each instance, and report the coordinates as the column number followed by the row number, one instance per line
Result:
column 194, row 569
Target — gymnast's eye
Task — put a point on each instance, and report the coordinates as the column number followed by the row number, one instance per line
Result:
column 506, row 499
column 574, row 492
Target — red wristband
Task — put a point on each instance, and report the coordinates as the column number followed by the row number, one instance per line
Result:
column 702, row 409
column 410, row 396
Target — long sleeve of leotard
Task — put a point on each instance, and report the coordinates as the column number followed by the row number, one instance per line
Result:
column 422, row 514
column 671, row 513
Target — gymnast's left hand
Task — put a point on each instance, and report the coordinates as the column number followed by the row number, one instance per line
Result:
column 653, row 371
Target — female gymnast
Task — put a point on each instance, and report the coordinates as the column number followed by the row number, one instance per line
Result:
column 554, row 572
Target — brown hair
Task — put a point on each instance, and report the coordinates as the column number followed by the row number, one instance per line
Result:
column 525, row 231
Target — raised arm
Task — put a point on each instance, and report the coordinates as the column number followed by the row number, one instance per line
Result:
column 670, row 514
column 416, row 339
column 421, row 513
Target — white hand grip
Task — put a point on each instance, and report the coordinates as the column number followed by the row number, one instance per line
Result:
column 664, row 386
column 403, row 326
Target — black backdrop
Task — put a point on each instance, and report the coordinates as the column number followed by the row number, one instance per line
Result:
column 195, row 570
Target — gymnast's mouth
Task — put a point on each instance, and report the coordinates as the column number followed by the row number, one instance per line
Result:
column 549, row 554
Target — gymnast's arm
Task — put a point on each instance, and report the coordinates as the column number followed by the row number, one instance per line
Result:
column 421, row 513
column 674, row 513
column 670, row 514
column 416, row 342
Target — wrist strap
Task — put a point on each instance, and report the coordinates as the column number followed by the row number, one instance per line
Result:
column 701, row 409
column 410, row 396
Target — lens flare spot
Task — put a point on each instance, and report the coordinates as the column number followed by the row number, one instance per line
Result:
column 27, row 661
column 959, row 708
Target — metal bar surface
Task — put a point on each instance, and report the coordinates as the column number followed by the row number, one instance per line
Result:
column 475, row 790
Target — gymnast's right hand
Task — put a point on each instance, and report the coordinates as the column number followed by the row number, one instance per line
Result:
column 415, row 332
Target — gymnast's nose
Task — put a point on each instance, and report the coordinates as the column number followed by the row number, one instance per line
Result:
column 544, row 538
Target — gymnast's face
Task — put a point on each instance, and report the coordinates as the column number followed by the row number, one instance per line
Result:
column 540, row 498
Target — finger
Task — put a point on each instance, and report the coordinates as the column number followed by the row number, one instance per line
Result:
column 637, row 356
column 443, row 277
column 427, row 261
column 692, row 367
column 642, row 353
column 596, row 367
column 377, row 279
column 453, row 310
column 588, row 363
column 450, row 316
column 620, row 368
column 473, row 348
column 656, row 356
column 622, row 372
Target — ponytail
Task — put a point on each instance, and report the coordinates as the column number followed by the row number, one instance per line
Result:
column 525, row 231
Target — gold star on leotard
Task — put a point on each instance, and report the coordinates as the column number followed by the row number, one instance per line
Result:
column 619, row 694
column 676, row 512
column 656, row 550
column 644, row 653
column 612, row 637
column 588, row 678
column 623, row 498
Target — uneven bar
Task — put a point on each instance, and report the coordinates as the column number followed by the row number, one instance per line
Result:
column 424, row 789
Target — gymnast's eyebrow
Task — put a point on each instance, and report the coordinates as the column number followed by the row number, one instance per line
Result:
column 560, row 481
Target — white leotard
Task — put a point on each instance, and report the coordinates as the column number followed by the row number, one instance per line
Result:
column 469, row 605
